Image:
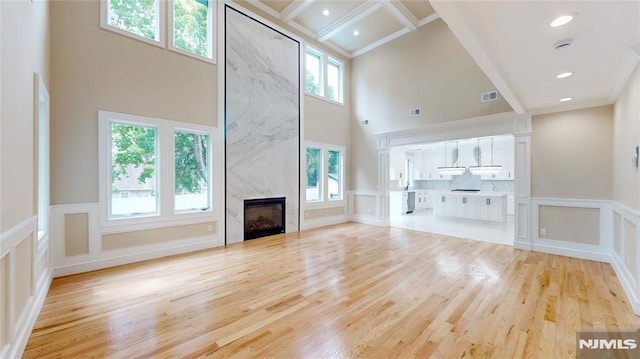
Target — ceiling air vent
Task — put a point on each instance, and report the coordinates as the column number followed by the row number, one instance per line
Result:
column 415, row 112
column 562, row 44
column 489, row 96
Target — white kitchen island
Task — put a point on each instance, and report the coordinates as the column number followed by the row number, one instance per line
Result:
column 480, row 206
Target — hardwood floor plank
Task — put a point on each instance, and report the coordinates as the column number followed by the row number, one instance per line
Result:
column 349, row 290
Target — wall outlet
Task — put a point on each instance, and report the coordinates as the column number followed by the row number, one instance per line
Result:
column 210, row 228
column 543, row 231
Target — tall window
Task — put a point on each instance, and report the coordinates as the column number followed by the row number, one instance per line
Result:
column 133, row 170
column 325, row 173
column 43, row 157
column 191, row 27
column 191, row 171
column 335, row 174
column 324, row 75
column 153, row 170
column 313, row 66
column 314, row 174
column 138, row 17
column 334, row 80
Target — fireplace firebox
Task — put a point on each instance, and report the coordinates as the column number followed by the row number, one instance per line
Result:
column 263, row 217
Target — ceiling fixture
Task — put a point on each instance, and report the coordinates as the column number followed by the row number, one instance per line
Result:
column 564, row 75
column 562, row 44
column 451, row 170
column 562, row 20
column 356, row 33
column 325, row 12
column 485, row 170
column 566, row 99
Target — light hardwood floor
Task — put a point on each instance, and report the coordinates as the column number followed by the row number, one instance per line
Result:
column 350, row 290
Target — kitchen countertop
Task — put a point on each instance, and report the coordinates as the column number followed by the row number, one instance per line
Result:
column 478, row 194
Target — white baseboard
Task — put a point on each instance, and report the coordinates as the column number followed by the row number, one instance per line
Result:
column 118, row 257
column 323, row 222
column 369, row 220
column 626, row 280
column 569, row 249
column 28, row 318
column 526, row 246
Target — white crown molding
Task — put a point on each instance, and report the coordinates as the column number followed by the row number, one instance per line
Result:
column 294, row 9
column 260, row 5
column 572, row 107
column 625, row 72
column 401, row 13
column 353, row 16
column 448, row 11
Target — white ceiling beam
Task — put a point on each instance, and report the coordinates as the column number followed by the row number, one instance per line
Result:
column 428, row 19
column 380, row 42
column 401, row 13
column 462, row 31
column 294, row 9
column 312, row 35
column 352, row 17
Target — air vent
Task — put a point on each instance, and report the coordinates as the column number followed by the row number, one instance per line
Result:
column 489, row 96
column 562, row 44
column 364, row 122
column 415, row 112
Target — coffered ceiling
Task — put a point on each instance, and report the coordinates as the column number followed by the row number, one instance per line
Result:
column 350, row 27
column 511, row 41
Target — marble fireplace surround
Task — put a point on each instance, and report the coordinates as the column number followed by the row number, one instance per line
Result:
column 262, row 118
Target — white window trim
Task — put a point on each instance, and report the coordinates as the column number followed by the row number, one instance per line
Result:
column 341, row 149
column 161, row 30
column 340, row 65
column 211, row 36
column 164, row 167
column 42, row 103
column 197, row 130
column 321, row 187
column 321, row 80
column 324, row 83
column 325, row 202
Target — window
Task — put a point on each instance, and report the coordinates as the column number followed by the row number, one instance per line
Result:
column 42, row 113
column 192, row 27
column 324, row 75
column 191, row 171
column 314, row 174
column 313, row 66
column 334, row 80
column 153, row 170
column 133, row 168
column 141, row 18
column 334, row 182
column 324, row 173
column 189, row 24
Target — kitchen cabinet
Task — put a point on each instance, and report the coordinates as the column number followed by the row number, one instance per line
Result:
column 482, row 206
column 434, row 158
column 423, row 200
column 502, row 155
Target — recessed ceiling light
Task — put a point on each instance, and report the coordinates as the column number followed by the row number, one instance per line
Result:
column 566, row 99
column 325, row 12
column 562, row 20
column 564, row 74
column 356, row 32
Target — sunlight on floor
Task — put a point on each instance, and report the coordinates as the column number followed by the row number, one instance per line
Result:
column 425, row 221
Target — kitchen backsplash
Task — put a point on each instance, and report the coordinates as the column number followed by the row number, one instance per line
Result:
column 466, row 181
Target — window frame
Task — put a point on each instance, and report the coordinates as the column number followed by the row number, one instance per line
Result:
column 199, row 130
column 321, row 176
column 211, row 35
column 160, row 28
column 325, row 60
column 340, row 65
column 165, row 172
column 325, row 201
column 341, row 179
column 321, row 76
